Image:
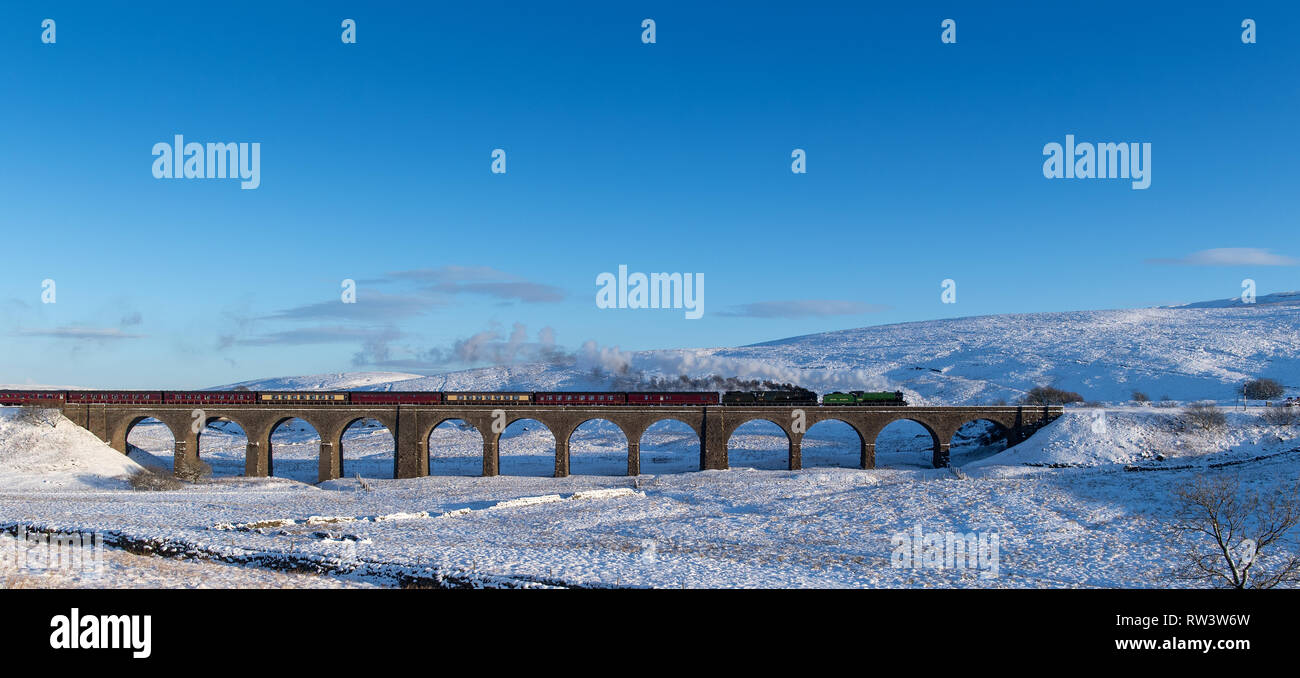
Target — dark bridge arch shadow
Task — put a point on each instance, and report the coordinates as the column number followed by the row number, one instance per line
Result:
column 978, row 439
column 294, row 450
column 526, row 448
column 759, row 443
column 367, row 447
column 455, row 448
column 598, row 447
column 223, row 446
column 906, row 443
column 150, row 442
column 669, row 446
column 832, row 442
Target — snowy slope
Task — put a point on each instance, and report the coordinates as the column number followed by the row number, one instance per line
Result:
column 58, row 455
column 1142, row 435
column 1292, row 298
column 1186, row 353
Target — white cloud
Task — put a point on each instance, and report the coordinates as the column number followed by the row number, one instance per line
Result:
column 1231, row 256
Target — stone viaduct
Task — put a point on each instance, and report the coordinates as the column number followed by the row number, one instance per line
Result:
column 411, row 425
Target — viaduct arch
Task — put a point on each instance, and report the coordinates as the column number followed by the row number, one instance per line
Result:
column 411, row 425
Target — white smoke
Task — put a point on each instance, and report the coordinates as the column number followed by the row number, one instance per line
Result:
column 701, row 363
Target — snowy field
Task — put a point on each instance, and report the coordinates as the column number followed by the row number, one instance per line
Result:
column 1066, row 507
column 1089, row 524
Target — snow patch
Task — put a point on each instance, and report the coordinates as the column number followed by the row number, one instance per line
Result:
column 57, row 455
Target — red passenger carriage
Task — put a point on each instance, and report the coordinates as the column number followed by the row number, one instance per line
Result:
column 674, row 398
column 395, row 397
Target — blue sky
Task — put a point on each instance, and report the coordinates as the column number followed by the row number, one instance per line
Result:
column 924, row 163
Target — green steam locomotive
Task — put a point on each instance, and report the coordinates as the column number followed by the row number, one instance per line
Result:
column 864, row 398
column 806, row 397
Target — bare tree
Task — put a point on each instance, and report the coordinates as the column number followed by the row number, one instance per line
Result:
column 1050, row 395
column 1261, row 389
column 1235, row 538
column 1205, row 415
column 32, row 413
column 194, row 472
column 153, row 478
column 1281, row 415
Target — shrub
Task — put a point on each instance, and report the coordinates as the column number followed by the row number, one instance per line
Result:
column 1262, row 389
column 1047, row 395
column 1140, row 397
column 1281, row 415
column 152, row 479
column 1206, row 416
column 38, row 414
column 195, row 472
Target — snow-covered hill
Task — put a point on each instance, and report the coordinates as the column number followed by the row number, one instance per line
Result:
column 52, row 453
column 1292, row 298
column 1195, row 352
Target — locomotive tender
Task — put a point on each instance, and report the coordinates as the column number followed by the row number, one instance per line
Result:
column 561, row 398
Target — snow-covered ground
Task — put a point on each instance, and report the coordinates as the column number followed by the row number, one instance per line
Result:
column 122, row 569
column 52, row 453
column 1093, row 524
column 1065, row 507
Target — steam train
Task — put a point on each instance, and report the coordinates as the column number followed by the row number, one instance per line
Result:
column 864, row 398
column 562, row 398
